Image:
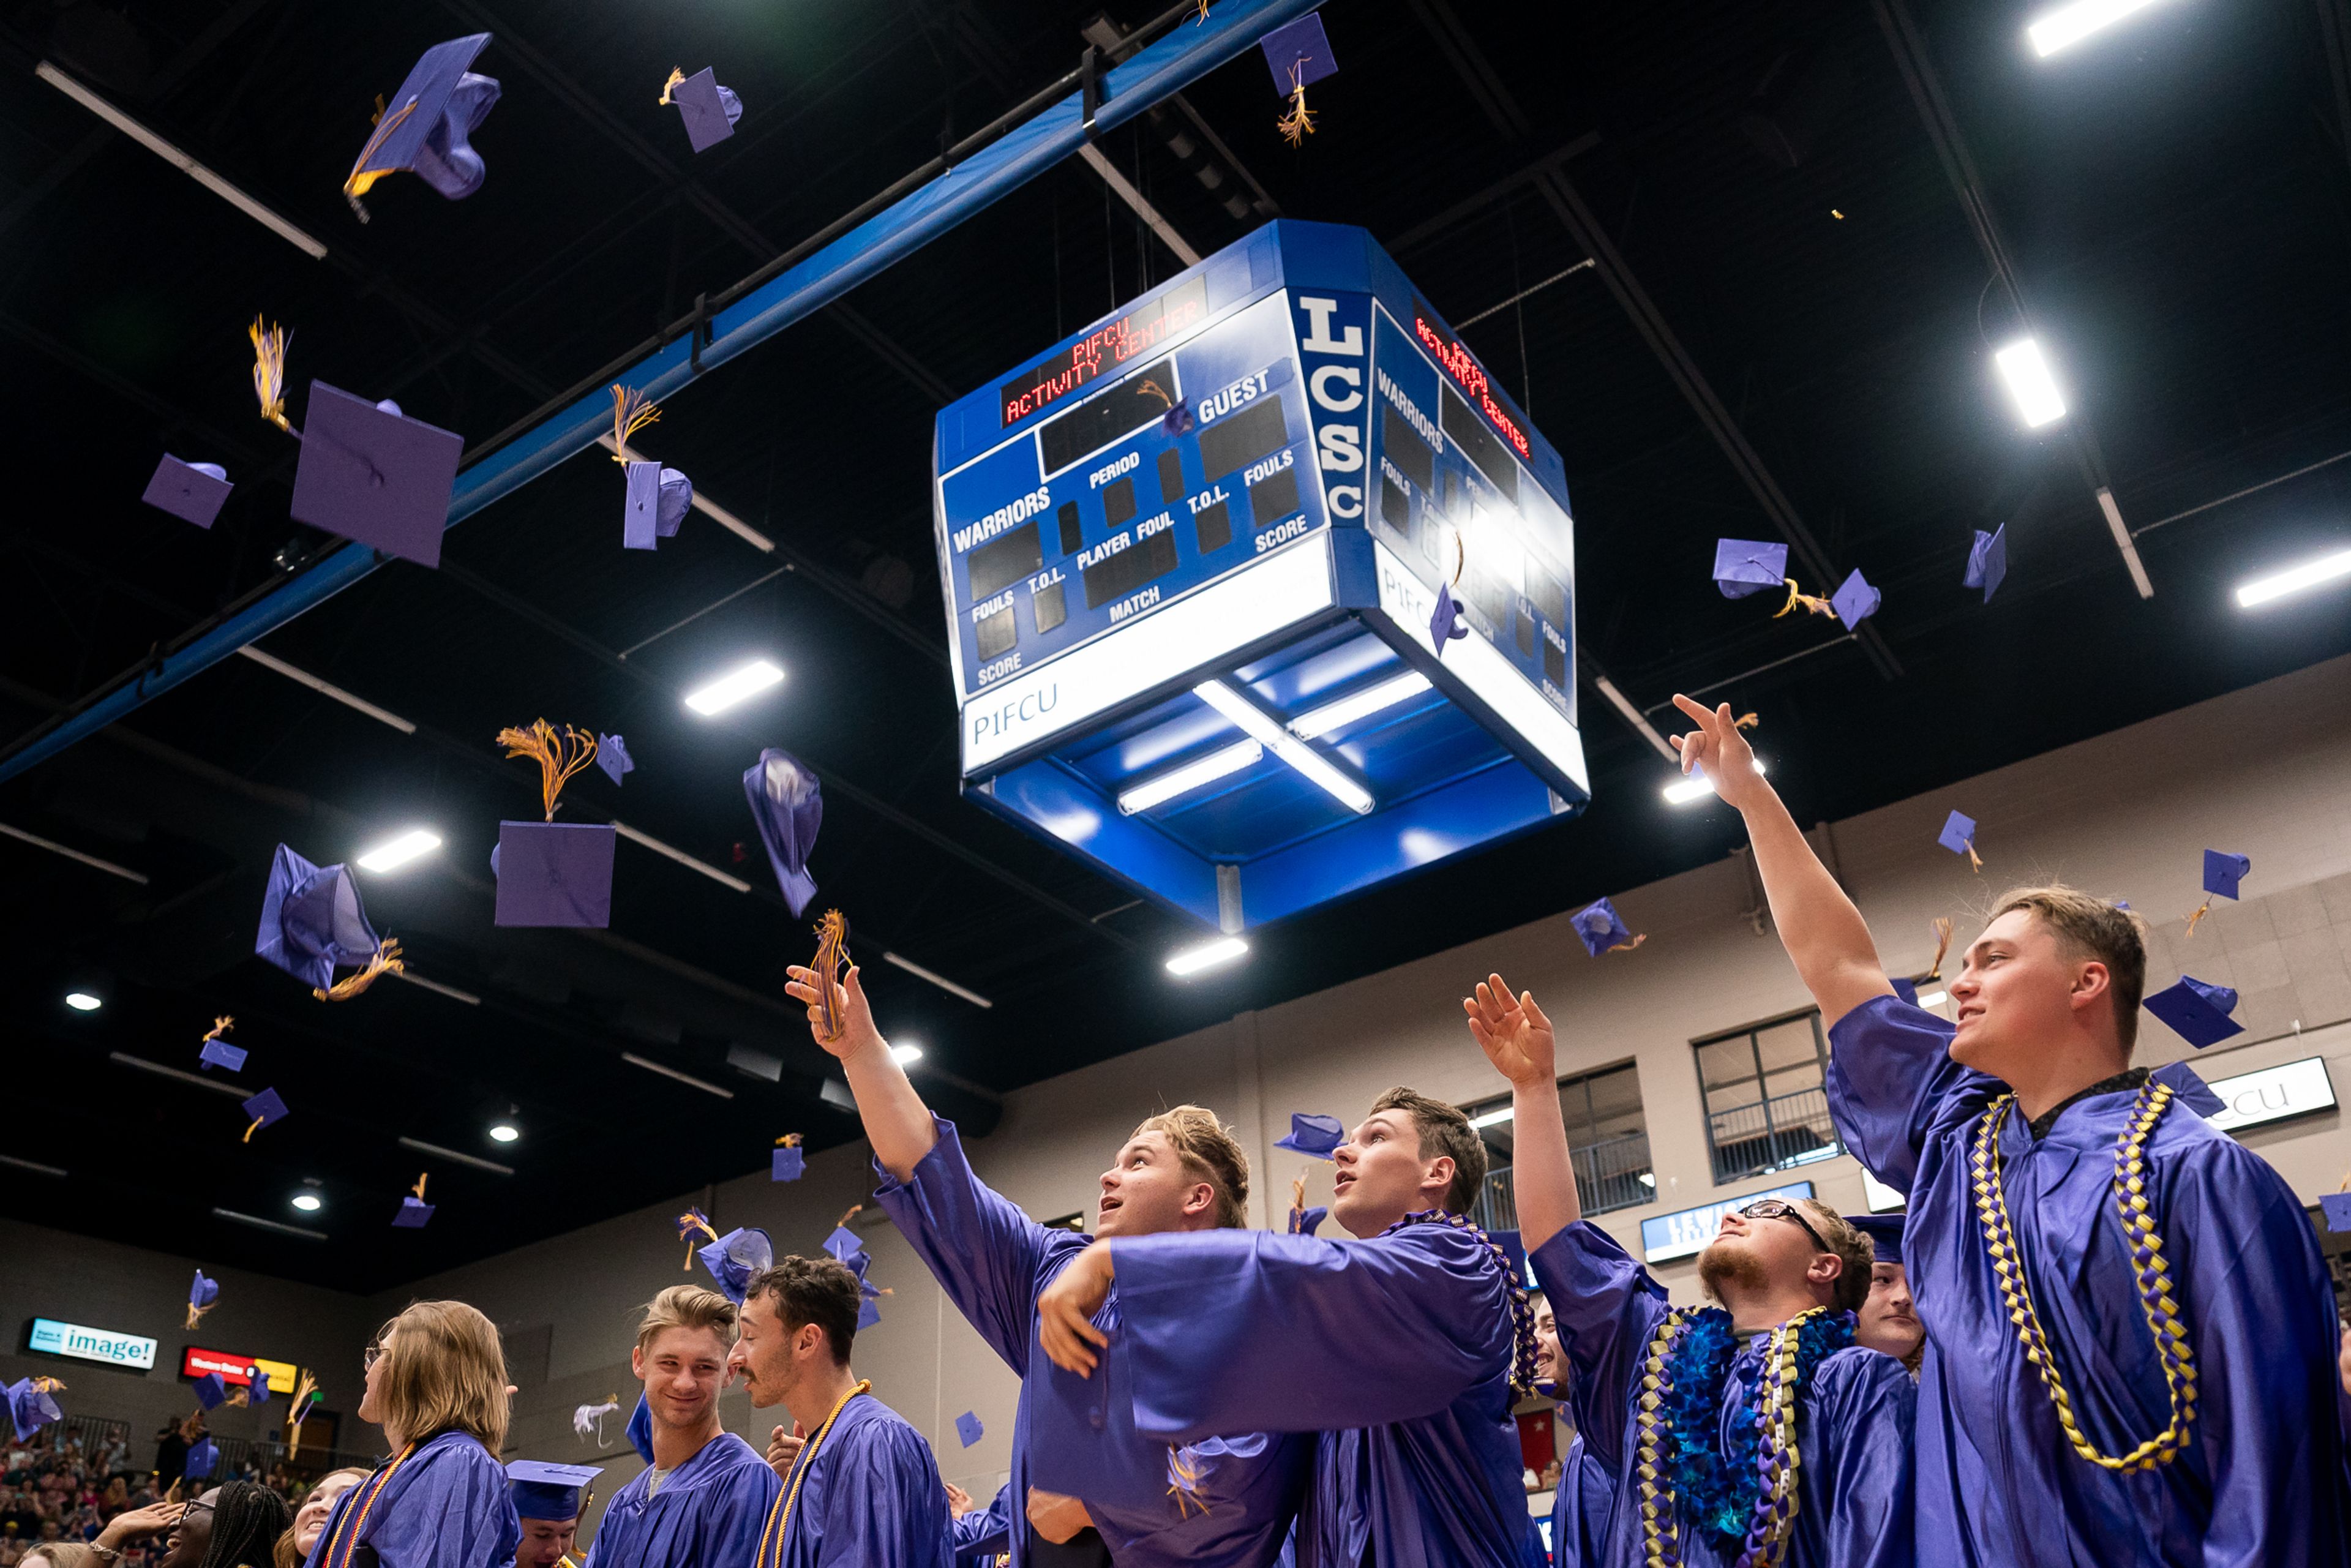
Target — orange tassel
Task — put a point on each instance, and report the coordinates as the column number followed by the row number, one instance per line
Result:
column 387, row 961
column 1796, row 596
column 631, row 412
column 558, row 756
column 1298, row 124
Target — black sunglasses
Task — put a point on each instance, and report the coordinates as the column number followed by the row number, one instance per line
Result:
column 1779, row 1208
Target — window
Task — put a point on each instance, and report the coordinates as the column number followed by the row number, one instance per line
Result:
column 1766, row 1106
column 1607, row 1140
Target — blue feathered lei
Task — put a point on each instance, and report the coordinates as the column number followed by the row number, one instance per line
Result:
column 1714, row 1490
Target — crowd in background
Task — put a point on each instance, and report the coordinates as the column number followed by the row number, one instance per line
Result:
column 64, row 1488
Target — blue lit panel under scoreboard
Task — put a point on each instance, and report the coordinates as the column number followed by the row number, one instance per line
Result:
column 1258, row 474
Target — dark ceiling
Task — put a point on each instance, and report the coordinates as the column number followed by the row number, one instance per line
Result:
column 1787, row 327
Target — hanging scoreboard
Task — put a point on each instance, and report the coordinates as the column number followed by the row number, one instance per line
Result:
column 1260, row 474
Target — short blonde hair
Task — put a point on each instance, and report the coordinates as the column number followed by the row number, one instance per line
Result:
column 1850, row 1246
column 686, row 1307
column 1210, row 1154
column 445, row 1372
column 2088, row 926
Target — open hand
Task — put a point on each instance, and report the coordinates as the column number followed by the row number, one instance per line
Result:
column 1057, row 1518
column 1065, row 1309
column 1512, row 1031
column 1719, row 751
column 958, row 1501
column 857, row 1031
column 138, row 1524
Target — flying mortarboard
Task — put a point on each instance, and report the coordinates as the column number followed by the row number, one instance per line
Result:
column 2222, row 874
column 1602, row 930
column 2197, row 1012
column 191, row 491
column 708, row 110
column 552, row 1491
column 1306, row 1221
column 968, row 1429
column 203, row 1458
column 373, row 474
column 1885, row 1233
column 2192, row 1091
column 1312, row 1134
column 2337, row 1205
column 414, row 1210
column 256, row 1389
column 612, row 757
column 1986, row 561
column 1445, row 623
column 210, row 1390
column 691, row 1224
column 1854, row 601
column 789, row 1162
column 787, row 807
column 737, row 1258
column 588, row 1420
column 201, row 1295
column 844, row 1245
column 1299, row 55
column 1742, row 567
column 551, row 873
column 1958, row 836
column 424, row 127
column 264, row 1108
column 30, row 1408
column 311, row 923
column 658, row 501
column 218, row 1052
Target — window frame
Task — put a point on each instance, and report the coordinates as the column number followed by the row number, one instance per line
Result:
column 1760, row 1083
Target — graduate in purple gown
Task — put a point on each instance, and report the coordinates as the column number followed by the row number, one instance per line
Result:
column 1888, row 1322
column 1405, row 1349
column 983, row 1536
column 863, row 1490
column 2179, row 1404
column 704, row 1492
column 1180, row 1171
column 436, row 1383
column 1587, row 1495
column 1751, row 1432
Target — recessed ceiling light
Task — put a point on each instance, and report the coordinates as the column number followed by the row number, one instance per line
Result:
column 1207, row 955
column 83, row 1002
column 2029, row 382
column 905, row 1055
column 309, row 1202
column 735, row 685
column 2070, row 24
column 503, row 1131
column 401, row 851
column 2295, row 579
column 1697, row 787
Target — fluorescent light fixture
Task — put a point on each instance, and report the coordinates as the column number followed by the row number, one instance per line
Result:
column 277, row 1226
column 1934, row 998
column 2138, row 568
column 2038, row 401
column 681, row 857
column 2294, row 580
column 459, row 1156
column 905, row 1055
column 1492, row 1117
column 1258, row 725
column 83, row 1002
column 35, row 1166
column 1334, row 716
column 735, row 685
column 1183, row 780
column 215, row 1082
column 1697, row 787
column 180, row 161
column 503, row 1131
column 412, row 978
column 301, row 677
column 2070, row 24
column 309, row 1202
column 941, row 981
column 1207, row 955
column 1637, row 719
column 125, row 872
column 411, row 844
column 633, row 1059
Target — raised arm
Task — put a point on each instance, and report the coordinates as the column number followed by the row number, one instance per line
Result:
column 897, row 1123
column 1517, row 1038
column 1822, row 930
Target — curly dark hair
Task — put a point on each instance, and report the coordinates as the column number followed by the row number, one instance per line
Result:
column 819, row 1290
column 246, row 1522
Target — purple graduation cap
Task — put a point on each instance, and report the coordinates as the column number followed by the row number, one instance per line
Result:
column 425, row 125
column 2197, row 1012
column 264, row 1108
column 30, row 1408
column 1601, row 928
column 1298, row 54
column 555, row 873
column 220, row 1053
column 257, row 1387
column 968, row 1429
column 201, row 1293
column 736, row 1258
column 414, row 1212
column 612, row 757
column 202, row 1459
column 789, row 1162
column 2192, row 1091
column 844, row 1246
column 1854, row 601
column 1178, row 420
column 1959, row 835
column 658, row 501
column 1742, row 567
column 787, row 805
column 2337, row 1205
column 1306, row 1221
column 1312, row 1134
column 191, row 491
column 551, row 1491
column 374, row 475
column 1885, row 1233
column 1986, row 561
column 1445, row 622
column 311, row 921
column 708, row 110
column 2223, row 871
column 211, row 1391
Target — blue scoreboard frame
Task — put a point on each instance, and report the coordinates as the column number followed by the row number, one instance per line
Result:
column 1190, row 557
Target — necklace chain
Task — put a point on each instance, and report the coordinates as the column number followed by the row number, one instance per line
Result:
column 2156, row 1303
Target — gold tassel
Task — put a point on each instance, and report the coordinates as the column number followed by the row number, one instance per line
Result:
column 831, row 957
column 195, row 1311
column 1298, row 124
column 250, row 1131
column 220, row 1026
column 853, row 1211
column 419, row 1188
column 239, row 1397
column 1202, row 19
column 1156, row 390
column 788, row 1141
column 1797, row 596
column 687, row 1224
column 304, row 1386
column 1297, row 1194
column 1746, row 721
column 631, row 412
column 387, row 960
column 362, row 178
column 1628, row 947
column 2202, row 910
column 1974, row 859
column 1942, row 945
column 558, row 756
column 269, row 372
column 675, row 77
column 1185, row 1481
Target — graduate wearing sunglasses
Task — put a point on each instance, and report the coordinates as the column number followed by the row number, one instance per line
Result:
column 1751, row 1432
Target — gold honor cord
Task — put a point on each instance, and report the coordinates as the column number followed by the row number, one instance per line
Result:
column 771, row 1540
column 2156, row 1299
column 355, row 1519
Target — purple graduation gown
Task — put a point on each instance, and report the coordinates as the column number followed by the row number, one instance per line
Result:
column 2261, row 1478
column 450, row 1506
column 1853, row 1418
column 1580, row 1510
column 993, row 1262
column 870, row 1497
column 984, row 1535
column 1397, row 1351
column 708, row 1511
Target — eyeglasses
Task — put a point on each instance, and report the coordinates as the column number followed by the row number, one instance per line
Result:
column 370, row 1356
column 1778, row 1208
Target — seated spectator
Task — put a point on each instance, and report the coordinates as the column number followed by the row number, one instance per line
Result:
column 293, row 1548
column 62, row 1556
